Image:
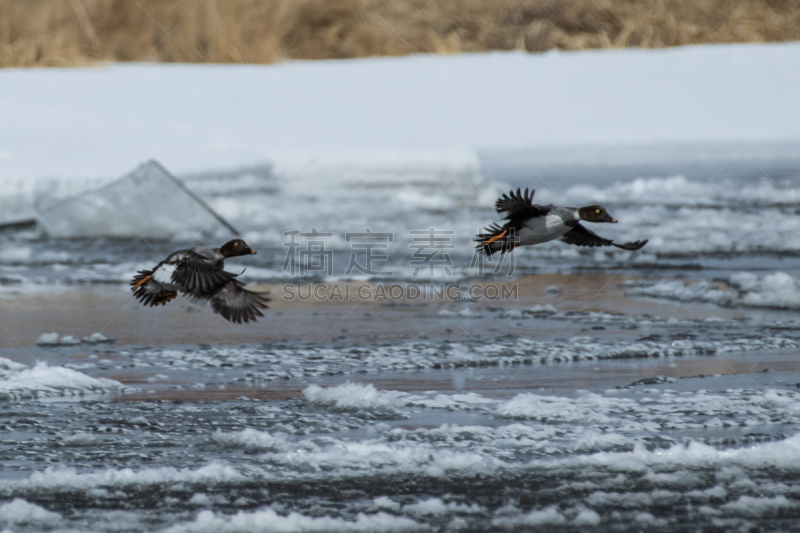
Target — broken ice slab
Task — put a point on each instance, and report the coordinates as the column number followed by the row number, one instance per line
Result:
column 149, row 203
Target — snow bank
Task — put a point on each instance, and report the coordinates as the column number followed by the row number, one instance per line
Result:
column 227, row 116
column 44, row 381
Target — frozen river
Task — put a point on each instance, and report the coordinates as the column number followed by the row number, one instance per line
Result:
column 647, row 394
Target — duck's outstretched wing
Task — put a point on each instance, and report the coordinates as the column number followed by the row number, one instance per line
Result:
column 238, row 304
column 519, row 205
column 580, row 236
column 197, row 277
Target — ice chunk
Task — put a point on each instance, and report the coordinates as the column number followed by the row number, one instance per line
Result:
column 363, row 399
column 96, row 338
column 464, row 313
column 48, row 381
column 8, row 364
column 19, row 511
column 52, row 339
column 149, row 203
column 251, row 439
column 47, row 339
column 547, row 516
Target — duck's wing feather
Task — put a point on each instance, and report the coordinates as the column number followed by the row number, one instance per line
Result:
column 580, row 236
column 519, row 205
column 196, row 275
column 238, row 304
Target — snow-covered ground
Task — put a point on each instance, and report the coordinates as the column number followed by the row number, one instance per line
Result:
column 104, row 121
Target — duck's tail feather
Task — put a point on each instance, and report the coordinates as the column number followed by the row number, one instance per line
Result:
column 140, row 292
column 140, row 279
column 492, row 239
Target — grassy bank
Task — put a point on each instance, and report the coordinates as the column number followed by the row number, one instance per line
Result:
column 71, row 32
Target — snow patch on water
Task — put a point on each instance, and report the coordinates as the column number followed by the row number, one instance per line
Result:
column 19, row 511
column 755, row 507
column 659, row 410
column 783, row 455
column 541, row 517
column 252, row 440
column 437, row 507
column 357, row 397
column 69, row 478
column 267, row 520
column 777, row 290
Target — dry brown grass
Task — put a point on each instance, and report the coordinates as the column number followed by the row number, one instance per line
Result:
column 70, row 32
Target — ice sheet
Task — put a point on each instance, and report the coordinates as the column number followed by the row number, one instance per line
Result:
column 147, row 203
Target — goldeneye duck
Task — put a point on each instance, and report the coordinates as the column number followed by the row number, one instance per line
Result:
column 530, row 223
column 198, row 274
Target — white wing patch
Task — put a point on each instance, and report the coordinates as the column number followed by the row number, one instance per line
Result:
column 163, row 274
column 555, row 225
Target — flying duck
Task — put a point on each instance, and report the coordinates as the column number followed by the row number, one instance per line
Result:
column 198, row 274
column 529, row 223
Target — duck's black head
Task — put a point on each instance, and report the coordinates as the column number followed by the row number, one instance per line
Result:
column 595, row 213
column 235, row 247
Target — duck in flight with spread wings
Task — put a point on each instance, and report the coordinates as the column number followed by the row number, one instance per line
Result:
column 198, row 273
column 529, row 223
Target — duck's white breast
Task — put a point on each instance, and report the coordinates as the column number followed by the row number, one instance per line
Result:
column 543, row 229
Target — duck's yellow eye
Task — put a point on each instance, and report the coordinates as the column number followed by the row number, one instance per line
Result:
column 597, row 211
column 237, row 244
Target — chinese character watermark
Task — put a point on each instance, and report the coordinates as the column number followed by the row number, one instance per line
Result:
column 494, row 251
column 429, row 246
column 372, row 244
column 313, row 258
